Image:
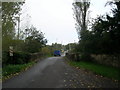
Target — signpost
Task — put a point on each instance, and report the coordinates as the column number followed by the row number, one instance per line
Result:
column 11, row 51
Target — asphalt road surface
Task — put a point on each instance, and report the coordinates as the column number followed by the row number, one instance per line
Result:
column 54, row 72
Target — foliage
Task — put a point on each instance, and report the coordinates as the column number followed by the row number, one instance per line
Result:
column 35, row 41
column 9, row 12
column 48, row 50
column 56, row 46
column 107, row 32
column 32, row 41
column 85, row 57
column 106, row 71
column 71, row 47
column 18, row 58
column 104, row 38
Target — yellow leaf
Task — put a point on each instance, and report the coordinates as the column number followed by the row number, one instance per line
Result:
column 88, row 86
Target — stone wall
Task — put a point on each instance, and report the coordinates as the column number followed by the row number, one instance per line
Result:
column 73, row 56
column 109, row 60
column 36, row 56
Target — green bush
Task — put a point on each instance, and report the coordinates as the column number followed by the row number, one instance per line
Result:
column 21, row 57
column 17, row 58
column 86, row 57
column 5, row 57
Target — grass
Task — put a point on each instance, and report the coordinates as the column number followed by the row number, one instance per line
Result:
column 103, row 70
column 11, row 70
column 0, row 74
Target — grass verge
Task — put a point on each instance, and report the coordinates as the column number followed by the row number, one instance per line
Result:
column 12, row 70
column 107, row 71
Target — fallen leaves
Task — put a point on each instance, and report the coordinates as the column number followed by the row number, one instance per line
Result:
column 77, row 67
column 82, row 84
column 64, row 80
column 116, row 80
column 88, row 86
column 101, row 76
column 66, row 73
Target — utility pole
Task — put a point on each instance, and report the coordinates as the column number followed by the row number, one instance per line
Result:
column 19, row 25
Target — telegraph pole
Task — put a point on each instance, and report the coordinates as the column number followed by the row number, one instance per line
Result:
column 19, row 25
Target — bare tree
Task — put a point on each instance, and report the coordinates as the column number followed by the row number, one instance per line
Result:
column 80, row 14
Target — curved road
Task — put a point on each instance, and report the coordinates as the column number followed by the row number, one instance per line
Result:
column 53, row 72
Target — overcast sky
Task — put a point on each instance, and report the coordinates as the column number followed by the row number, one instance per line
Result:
column 55, row 18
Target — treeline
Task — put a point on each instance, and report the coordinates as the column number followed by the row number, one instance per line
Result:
column 24, row 42
column 49, row 49
column 104, row 36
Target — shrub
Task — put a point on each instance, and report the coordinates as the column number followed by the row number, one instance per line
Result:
column 5, row 57
column 18, row 58
column 21, row 57
column 86, row 57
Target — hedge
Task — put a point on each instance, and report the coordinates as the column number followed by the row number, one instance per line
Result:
column 17, row 58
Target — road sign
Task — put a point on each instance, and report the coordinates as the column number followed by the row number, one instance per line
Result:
column 11, row 50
